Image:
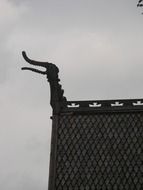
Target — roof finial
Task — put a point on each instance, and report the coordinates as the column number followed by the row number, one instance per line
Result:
column 57, row 99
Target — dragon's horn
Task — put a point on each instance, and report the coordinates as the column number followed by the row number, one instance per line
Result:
column 33, row 62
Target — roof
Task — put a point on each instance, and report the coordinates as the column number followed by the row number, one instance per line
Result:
column 95, row 144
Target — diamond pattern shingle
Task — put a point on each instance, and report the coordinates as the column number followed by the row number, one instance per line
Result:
column 100, row 152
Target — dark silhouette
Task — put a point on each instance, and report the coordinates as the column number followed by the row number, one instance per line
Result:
column 57, row 98
column 96, row 144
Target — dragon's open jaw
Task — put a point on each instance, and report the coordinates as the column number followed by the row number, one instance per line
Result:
column 34, row 70
column 36, row 63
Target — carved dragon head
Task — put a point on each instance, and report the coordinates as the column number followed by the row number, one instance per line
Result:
column 51, row 69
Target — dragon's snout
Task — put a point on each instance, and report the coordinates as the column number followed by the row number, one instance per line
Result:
column 36, row 63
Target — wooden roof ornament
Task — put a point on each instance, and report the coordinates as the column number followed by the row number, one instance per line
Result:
column 57, row 98
column 95, row 145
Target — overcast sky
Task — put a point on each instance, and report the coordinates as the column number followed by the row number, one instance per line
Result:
column 98, row 47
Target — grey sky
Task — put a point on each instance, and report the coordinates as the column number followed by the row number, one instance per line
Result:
column 98, row 47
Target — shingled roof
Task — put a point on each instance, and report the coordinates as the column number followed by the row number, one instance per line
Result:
column 96, row 145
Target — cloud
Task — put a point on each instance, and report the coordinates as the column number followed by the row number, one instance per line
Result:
column 98, row 47
column 10, row 16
